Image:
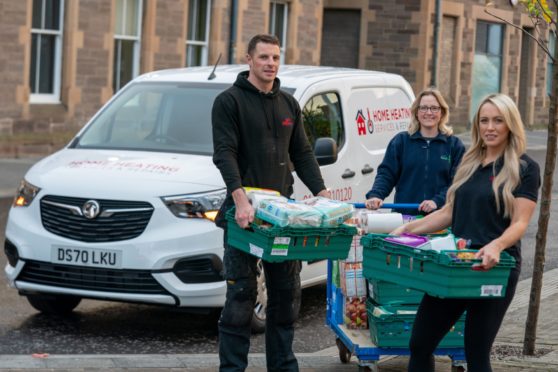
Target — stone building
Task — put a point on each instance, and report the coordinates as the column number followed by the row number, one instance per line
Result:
column 62, row 60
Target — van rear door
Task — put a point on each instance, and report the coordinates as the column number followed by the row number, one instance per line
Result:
column 379, row 112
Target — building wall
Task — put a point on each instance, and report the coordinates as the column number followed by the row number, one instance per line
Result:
column 13, row 38
column 170, row 27
column 457, row 40
column 394, row 36
column 341, row 37
column 94, row 56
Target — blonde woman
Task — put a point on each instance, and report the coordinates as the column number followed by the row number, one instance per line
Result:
column 420, row 163
column 495, row 164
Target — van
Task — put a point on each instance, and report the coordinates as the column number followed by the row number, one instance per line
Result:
column 125, row 211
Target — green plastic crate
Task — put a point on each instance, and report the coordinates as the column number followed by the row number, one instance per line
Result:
column 275, row 244
column 386, row 293
column 434, row 273
column 388, row 328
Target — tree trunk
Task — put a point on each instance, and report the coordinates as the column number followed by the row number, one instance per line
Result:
column 546, row 194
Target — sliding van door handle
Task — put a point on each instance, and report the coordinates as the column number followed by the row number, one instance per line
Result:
column 367, row 169
column 348, row 173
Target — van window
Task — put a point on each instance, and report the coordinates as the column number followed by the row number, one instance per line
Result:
column 156, row 117
column 322, row 117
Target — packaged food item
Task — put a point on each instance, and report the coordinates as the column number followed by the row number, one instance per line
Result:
column 466, row 255
column 444, row 243
column 285, row 213
column 334, row 212
column 462, row 243
column 353, row 283
column 411, row 240
column 438, row 244
column 355, row 252
column 354, row 313
column 380, row 223
column 256, row 195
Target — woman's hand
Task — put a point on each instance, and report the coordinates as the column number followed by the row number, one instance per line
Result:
column 428, row 206
column 374, row 203
column 490, row 255
column 400, row 230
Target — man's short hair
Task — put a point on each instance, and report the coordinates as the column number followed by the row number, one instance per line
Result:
column 262, row 38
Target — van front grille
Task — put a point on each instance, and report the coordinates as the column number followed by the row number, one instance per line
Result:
column 91, row 278
column 118, row 220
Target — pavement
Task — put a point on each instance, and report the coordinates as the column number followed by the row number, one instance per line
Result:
column 507, row 358
column 508, row 343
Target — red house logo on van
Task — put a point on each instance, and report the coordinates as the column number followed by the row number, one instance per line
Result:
column 361, row 123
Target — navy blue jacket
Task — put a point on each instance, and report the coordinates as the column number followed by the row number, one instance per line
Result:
column 419, row 169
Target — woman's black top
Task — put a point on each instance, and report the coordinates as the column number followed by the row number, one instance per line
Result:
column 474, row 214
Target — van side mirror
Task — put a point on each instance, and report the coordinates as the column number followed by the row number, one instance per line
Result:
column 325, row 150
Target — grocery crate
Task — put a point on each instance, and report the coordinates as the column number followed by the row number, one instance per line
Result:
column 391, row 326
column 383, row 293
column 438, row 274
column 275, row 244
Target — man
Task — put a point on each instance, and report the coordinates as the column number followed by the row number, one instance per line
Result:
column 257, row 131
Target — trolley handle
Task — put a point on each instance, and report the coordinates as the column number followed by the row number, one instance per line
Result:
column 391, row 205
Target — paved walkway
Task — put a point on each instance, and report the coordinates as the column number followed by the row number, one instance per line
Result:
column 511, row 335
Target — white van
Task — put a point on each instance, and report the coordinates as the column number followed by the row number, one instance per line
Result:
column 124, row 212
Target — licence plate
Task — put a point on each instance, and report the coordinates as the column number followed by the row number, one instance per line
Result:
column 87, row 257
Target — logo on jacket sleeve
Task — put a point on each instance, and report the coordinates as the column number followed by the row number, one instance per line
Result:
column 287, row 122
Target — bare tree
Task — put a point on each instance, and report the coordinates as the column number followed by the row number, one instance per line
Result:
column 544, row 23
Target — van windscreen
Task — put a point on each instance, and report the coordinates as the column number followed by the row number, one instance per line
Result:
column 166, row 117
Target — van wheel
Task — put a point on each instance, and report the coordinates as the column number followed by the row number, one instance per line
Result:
column 53, row 304
column 258, row 318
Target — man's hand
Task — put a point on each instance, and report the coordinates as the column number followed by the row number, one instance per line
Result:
column 324, row 193
column 374, row 203
column 244, row 213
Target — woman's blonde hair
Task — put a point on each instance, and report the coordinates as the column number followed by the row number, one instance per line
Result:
column 508, row 177
column 443, row 126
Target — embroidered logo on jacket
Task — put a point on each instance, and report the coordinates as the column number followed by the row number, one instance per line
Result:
column 287, row 122
column 446, row 157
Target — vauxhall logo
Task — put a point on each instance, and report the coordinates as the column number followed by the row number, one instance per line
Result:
column 91, row 209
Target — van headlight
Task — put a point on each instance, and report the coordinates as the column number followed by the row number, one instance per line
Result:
column 200, row 205
column 26, row 192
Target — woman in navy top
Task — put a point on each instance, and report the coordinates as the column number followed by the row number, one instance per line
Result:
column 495, row 164
column 420, row 163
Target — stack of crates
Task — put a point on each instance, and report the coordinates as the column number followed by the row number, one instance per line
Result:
column 392, row 308
column 350, row 288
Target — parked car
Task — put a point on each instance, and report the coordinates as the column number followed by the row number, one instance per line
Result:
column 125, row 211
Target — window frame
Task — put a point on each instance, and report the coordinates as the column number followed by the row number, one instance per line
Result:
column 474, row 99
column 272, row 19
column 54, row 97
column 341, row 139
column 137, row 46
column 203, row 44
